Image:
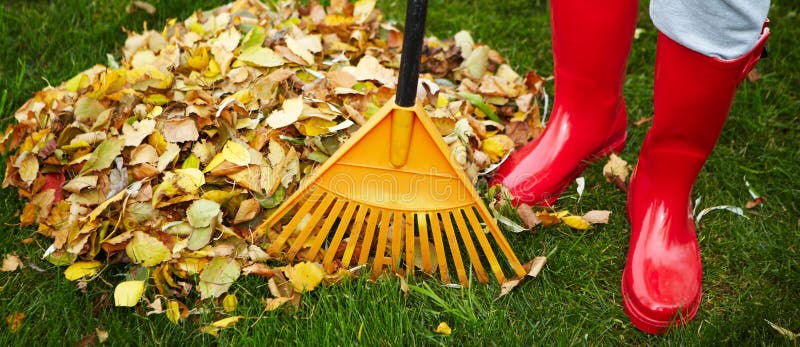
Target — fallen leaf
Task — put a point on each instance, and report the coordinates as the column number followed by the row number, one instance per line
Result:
column 576, row 222
column 260, row 56
column 755, row 202
column 215, row 327
column 102, row 157
column 272, row 304
column 535, row 266
column 11, row 262
column 128, row 293
column 248, row 210
column 218, row 276
column 81, row 269
column 288, row 114
column 732, row 209
column 102, row 335
column 304, row 276
column 781, row 330
column 173, row 311
column 597, row 216
column 147, row 250
column 140, row 5
column 642, row 121
column 230, row 302
column 617, row 171
column 180, row 130
column 201, row 212
column 14, row 321
column 507, row 286
column 528, row 216
column 497, row 146
column 443, row 329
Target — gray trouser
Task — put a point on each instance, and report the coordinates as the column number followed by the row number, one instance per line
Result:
column 724, row 29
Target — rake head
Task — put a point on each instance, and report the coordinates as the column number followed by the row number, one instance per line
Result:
column 419, row 210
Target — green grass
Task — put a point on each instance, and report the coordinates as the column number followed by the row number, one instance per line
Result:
column 751, row 270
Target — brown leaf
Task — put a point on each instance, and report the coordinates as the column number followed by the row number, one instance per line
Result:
column 642, row 121
column 528, row 216
column 248, row 209
column 11, row 262
column 597, row 216
column 180, row 130
column 14, row 321
column 755, row 202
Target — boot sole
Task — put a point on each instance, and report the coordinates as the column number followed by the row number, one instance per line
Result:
column 652, row 325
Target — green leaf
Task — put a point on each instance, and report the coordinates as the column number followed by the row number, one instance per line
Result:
column 218, row 276
column 104, row 155
column 202, row 212
column 273, row 200
column 477, row 101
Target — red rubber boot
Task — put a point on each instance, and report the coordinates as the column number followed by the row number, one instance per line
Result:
column 591, row 43
column 661, row 284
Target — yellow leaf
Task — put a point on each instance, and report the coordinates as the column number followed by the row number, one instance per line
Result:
column 443, row 329
column 230, row 302
column 147, row 250
column 236, row 153
column 616, row 168
column 227, row 322
column 305, row 276
column 316, row 126
column 28, row 167
column 576, row 222
column 497, row 146
column 128, row 293
column 260, row 56
column 173, row 311
column 82, row 269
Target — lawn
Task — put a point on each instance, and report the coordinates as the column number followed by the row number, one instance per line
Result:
column 751, row 264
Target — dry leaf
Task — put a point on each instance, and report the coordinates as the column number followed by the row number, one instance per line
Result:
column 755, row 202
column 597, row 216
column 576, row 222
column 528, row 216
column 11, row 262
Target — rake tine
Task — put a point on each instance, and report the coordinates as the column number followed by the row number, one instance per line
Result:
column 473, row 253
column 409, row 217
column 424, row 244
column 501, row 240
column 355, row 233
column 319, row 211
column 484, row 242
column 380, row 251
column 397, row 239
column 323, row 233
column 454, row 250
column 289, row 229
column 333, row 247
column 369, row 234
column 438, row 244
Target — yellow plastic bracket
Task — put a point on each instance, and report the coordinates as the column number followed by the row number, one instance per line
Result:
column 402, row 126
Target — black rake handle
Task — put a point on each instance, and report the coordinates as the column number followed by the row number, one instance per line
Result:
column 412, row 52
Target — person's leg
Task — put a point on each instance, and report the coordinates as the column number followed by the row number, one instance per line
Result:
column 693, row 92
column 591, row 43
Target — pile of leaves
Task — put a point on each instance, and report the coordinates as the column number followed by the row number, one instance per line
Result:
column 171, row 155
